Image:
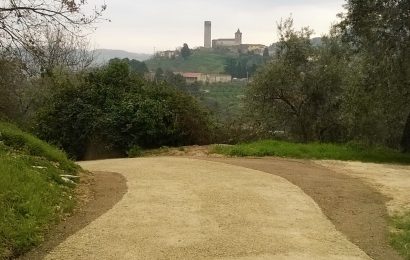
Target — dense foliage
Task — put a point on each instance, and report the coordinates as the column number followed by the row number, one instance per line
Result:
column 354, row 86
column 379, row 35
column 109, row 110
column 243, row 66
column 134, row 65
column 299, row 92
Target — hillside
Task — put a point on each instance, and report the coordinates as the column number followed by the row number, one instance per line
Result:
column 104, row 55
column 205, row 61
column 34, row 193
column 224, row 99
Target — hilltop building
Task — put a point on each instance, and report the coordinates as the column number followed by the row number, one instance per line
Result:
column 167, row 54
column 192, row 77
column 233, row 44
column 218, row 43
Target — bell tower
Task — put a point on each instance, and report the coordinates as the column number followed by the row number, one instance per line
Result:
column 238, row 37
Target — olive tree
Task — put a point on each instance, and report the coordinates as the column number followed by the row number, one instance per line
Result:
column 379, row 33
column 299, row 90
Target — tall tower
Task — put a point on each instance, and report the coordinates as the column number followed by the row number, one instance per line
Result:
column 208, row 37
column 238, row 37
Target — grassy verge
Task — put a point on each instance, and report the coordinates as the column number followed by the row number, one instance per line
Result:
column 347, row 152
column 33, row 194
column 400, row 236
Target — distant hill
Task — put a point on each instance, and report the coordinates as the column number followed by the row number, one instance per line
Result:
column 104, row 55
column 205, row 61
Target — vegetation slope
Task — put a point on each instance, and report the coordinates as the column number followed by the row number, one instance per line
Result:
column 33, row 195
column 205, row 61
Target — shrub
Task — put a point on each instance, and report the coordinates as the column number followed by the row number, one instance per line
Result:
column 135, row 151
column 111, row 110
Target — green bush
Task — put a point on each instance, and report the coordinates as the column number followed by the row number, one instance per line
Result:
column 135, row 151
column 111, row 110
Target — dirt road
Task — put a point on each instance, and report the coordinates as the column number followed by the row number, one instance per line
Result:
column 355, row 207
column 180, row 208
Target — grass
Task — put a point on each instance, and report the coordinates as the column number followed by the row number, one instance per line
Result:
column 204, row 61
column 16, row 139
column 400, row 236
column 344, row 152
column 33, row 196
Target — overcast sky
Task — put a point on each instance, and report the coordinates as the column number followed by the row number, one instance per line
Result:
column 141, row 26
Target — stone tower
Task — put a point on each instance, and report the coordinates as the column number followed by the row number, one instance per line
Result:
column 238, row 37
column 208, row 37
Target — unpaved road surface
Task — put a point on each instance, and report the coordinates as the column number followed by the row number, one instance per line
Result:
column 392, row 180
column 180, row 208
column 356, row 207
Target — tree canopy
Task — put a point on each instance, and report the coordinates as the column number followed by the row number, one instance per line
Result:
column 25, row 23
column 185, row 51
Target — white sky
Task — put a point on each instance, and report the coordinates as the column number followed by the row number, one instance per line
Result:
column 141, row 26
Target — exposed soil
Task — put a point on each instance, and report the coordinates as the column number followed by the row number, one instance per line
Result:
column 355, row 208
column 357, row 197
column 97, row 193
column 391, row 180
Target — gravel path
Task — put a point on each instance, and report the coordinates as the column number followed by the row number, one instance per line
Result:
column 179, row 208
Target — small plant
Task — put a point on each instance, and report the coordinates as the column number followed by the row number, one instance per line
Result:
column 135, row 151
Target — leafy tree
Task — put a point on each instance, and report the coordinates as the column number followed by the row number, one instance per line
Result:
column 185, row 51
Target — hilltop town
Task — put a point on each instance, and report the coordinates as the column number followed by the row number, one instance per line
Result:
column 218, row 50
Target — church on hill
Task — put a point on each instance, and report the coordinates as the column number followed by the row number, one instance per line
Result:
column 220, row 43
column 233, row 44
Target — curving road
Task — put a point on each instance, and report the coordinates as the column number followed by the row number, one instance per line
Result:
column 180, row 208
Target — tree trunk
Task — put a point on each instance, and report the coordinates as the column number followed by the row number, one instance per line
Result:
column 405, row 141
